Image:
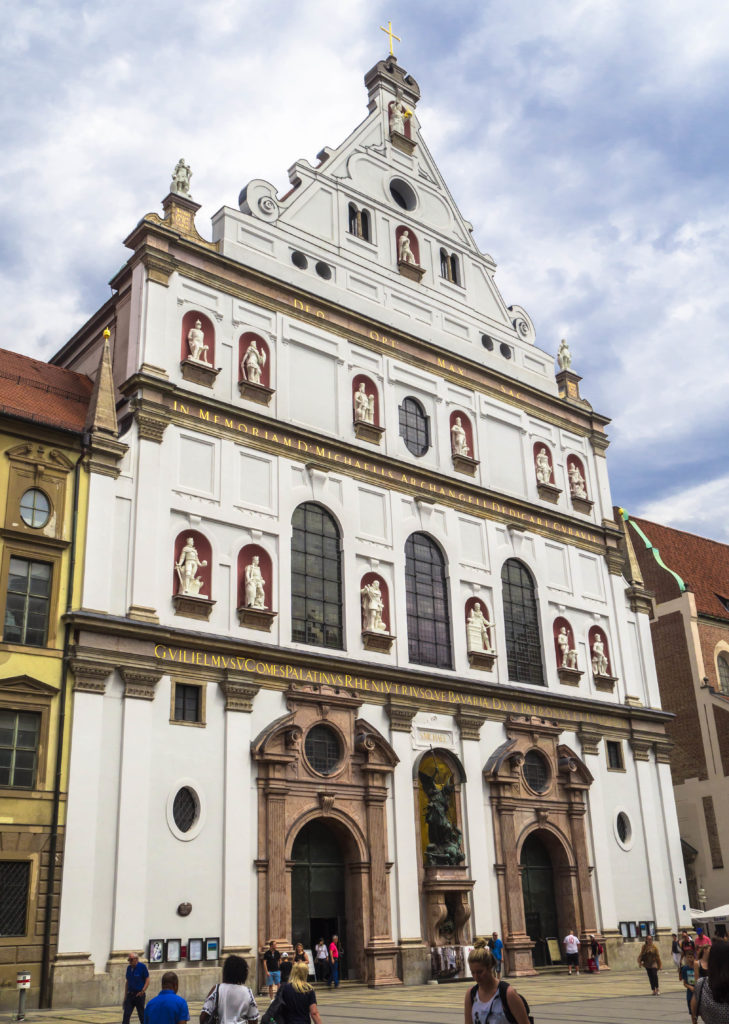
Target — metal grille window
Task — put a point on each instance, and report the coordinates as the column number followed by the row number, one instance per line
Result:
column 614, row 755
column 316, row 578
column 536, row 772
column 187, row 703
column 185, row 809
column 14, row 887
column 322, row 749
column 27, row 602
column 429, row 627
column 521, row 623
column 19, row 732
column 723, row 666
column 414, row 427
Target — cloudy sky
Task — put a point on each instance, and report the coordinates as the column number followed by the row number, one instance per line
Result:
column 585, row 140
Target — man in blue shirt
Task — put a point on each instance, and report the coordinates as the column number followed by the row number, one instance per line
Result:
column 134, row 989
column 497, row 948
column 167, row 1007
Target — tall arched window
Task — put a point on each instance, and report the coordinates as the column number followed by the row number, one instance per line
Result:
column 722, row 664
column 521, row 623
column 316, row 578
column 414, row 427
column 353, row 220
column 429, row 625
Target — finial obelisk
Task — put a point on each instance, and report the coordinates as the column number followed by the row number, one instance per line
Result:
column 391, row 35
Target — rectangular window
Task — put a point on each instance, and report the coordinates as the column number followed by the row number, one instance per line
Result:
column 14, row 888
column 187, row 703
column 28, row 602
column 19, row 732
column 615, row 755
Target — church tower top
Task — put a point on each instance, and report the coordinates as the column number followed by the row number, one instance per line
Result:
column 388, row 76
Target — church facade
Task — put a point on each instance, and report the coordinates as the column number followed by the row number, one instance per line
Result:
column 355, row 653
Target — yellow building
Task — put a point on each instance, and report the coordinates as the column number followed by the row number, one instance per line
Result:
column 56, row 426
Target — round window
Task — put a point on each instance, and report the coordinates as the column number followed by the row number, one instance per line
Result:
column 299, row 260
column 323, row 749
column 323, row 270
column 487, row 342
column 403, row 194
column 35, row 508
column 185, row 809
column 536, row 772
column 622, row 827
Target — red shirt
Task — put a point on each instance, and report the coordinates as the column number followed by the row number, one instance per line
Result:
column 333, row 951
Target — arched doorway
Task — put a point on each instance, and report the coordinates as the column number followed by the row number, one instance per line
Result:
column 540, row 906
column 318, row 886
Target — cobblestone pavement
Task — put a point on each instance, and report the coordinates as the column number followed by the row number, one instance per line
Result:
column 612, row 998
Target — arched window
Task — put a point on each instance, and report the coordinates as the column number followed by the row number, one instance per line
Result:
column 455, row 275
column 353, row 225
column 722, row 664
column 414, row 428
column 521, row 624
column 429, row 625
column 444, row 265
column 359, row 222
column 364, row 222
column 316, row 578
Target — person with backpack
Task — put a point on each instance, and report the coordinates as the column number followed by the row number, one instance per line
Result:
column 491, row 1000
column 710, row 1000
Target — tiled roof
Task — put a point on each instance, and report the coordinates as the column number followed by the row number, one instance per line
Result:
column 702, row 564
column 36, row 391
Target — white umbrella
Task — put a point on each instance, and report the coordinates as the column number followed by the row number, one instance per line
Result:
column 717, row 915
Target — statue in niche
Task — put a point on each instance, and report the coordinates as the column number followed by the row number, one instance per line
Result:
column 564, row 356
column 445, row 844
column 478, row 637
column 181, row 178
column 255, row 585
column 569, row 654
column 543, row 467
column 577, row 481
column 459, row 439
column 187, row 567
column 196, row 344
column 253, row 362
column 372, row 608
column 364, row 405
column 399, row 113
column 404, row 252
column 599, row 659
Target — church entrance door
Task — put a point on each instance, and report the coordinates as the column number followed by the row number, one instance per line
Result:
column 540, row 907
column 318, row 888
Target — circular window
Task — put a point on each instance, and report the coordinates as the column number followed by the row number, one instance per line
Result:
column 536, row 772
column 403, row 194
column 505, row 350
column 299, row 260
column 323, row 270
column 323, row 749
column 35, row 508
column 623, row 829
column 185, row 809
column 488, row 343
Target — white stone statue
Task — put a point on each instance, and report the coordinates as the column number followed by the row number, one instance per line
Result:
column 599, row 660
column 577, row 482
column 543, row 467
column 398, row 115
column 404, row 252
column 478, row 637
column 569, row 654
column 255, row 585
column 196, row 344
column 253, row 362
column 459, row 439
column 187, row 567
column 364, row 405
column 564, row 356
column 372, row 608
column 181, row 178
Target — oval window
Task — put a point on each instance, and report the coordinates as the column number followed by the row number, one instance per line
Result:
column 536, row 772
column 35, row 508
column 403, row 194
column 622, row 826
column 185, row 809
column 323, row 749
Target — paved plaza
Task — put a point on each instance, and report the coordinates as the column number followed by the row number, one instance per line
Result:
column 612, row 998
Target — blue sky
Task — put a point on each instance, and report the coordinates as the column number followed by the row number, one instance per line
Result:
column 586, row 141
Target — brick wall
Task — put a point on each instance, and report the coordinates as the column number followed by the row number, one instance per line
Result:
column 710, row 634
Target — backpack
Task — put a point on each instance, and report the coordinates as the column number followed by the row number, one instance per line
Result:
column 276, row 1012
column 502, row 990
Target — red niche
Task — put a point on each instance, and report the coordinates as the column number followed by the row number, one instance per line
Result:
column 245, row 558
column 408, row 120
column 597, row 634
column 370, row 577
column 204, row 553
column 206, row 326
column 264, row 359
column 471, row 604
column 573, row 463
column 370, row 389
column 414, row 244
column 467, row 426
column 557, row 626
column 539, row 449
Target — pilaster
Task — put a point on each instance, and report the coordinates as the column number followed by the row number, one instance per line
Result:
column 406, row 852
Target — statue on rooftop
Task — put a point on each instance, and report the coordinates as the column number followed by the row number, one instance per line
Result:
column 181, row 179
column 399, row 113
column 564, row 356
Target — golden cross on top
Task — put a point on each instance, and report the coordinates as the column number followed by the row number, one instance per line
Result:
column 392, row 36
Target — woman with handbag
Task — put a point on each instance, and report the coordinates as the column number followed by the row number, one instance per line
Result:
column 298, row 998
column 231, row 1002
column 650, row 958
column 710, row 1000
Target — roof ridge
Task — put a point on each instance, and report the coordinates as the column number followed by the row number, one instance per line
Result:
column 675, row 529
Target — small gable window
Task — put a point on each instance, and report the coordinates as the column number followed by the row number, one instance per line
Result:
column 359, row 223
column 449, row 267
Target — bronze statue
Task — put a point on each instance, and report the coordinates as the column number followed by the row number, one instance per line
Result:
column 445, row 840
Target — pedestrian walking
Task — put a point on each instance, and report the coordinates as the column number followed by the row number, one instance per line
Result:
column 167, row 1007
column 286, row 964
column 497, row 948
column 135, row 986
column 676, row 952
column 334, row 962
column 298, row 997
column 572, row 948
column 595, row 954
column 321, row 960
column 230, row 1002
column 650, row 958
column 489, row 998
column 272, row 962
column 689, row 977
column 710, row 1000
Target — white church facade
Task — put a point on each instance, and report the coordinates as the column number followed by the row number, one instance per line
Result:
column 356, row 652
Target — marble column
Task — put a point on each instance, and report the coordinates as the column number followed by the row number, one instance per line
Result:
column 379, row 882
